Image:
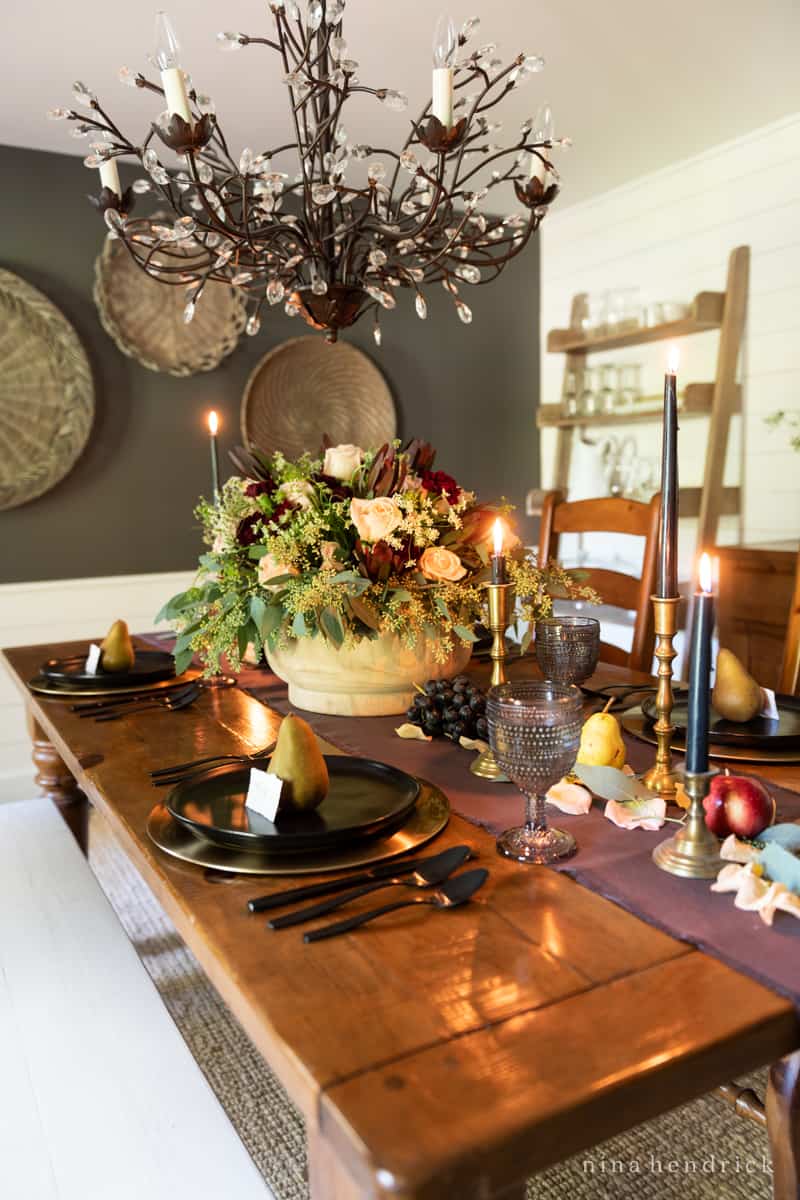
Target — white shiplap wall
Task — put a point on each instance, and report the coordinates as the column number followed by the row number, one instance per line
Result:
column 670, row 233
column 60, row 610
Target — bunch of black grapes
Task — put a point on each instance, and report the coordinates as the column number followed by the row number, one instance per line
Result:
column 452, row 708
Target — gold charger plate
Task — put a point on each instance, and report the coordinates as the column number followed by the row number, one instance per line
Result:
column 45, row 687
column 634, row 721
column 429, row 818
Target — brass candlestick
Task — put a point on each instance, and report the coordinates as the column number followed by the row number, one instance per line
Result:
column 694, row 851
column 499, row 595
column 661, row 778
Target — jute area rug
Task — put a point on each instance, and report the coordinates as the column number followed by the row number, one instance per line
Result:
column 702, row 1151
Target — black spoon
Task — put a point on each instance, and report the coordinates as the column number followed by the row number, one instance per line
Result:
column 453, row 893
column 169, row 704
column 427, row 874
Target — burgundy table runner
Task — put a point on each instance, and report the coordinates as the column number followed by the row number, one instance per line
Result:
column 612, row 862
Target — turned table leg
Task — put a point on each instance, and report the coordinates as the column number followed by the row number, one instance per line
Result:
column 56, row 782
column 783, row 1126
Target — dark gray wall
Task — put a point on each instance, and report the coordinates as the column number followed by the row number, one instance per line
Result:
column 127, row 505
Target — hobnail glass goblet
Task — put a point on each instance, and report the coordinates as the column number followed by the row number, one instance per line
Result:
column 534, row 731
column 567, row 648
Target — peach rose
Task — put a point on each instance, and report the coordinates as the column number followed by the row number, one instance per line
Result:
column 329, row 551
column 341, row 461
column 375, row 519
column 298, row 492
column 439, row 563
column 269, row 568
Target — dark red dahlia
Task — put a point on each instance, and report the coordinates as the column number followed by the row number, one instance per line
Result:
column 441, row 484
column 247, row 533
column 260, row 487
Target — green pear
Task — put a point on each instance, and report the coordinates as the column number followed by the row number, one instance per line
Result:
column 601, row 741
column 736, row 695
column 117, row 649
column 297, row 760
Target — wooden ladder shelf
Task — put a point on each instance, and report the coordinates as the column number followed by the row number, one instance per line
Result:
column 719, row 400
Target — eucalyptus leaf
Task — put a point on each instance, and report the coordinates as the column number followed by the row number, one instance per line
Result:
column 183, row 660
column 401, row 594
column 466, row 635
column 175, row 605
column 781, row 866
column 332, row 626
column 441, row 607
column 786, row 835
column 299, row 626
column 257, row 552
column 612, row 784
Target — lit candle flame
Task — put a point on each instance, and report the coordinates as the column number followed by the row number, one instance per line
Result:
column 705, row 573
column 673, row 359
column 497, row 536
column 213, row 423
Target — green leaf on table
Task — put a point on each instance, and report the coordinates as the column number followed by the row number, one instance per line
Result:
column 611, row 784
column 781, row 866
column 786, row 835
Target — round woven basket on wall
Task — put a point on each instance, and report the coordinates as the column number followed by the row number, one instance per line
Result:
column 307, row 388
column 145, row 317
column 46, row 393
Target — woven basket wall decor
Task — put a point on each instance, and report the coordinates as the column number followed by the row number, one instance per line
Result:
column 306, row 388
column 46, row 393
column 145, row 318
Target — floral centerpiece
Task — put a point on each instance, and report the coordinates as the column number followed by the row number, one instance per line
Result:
column 358, row 573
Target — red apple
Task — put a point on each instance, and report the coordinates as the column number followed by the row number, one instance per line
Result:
column 738, row 804
column 716, row 820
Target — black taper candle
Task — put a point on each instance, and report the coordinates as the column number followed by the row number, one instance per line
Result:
column 699, row 682
column 667, row 586
column 498, row 568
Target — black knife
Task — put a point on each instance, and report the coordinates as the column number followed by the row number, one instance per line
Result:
column 340, row 884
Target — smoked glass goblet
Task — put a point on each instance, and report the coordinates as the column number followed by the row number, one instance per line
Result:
column 534, row 731
column 567, row 648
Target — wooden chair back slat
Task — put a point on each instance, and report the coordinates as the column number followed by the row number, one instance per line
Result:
column 611, row 514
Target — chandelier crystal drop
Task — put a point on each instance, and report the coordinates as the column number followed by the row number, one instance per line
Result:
column 330, row 227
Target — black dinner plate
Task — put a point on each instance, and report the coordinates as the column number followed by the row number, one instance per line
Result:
column 759, row 733
column 149, row 666
column 365, row 798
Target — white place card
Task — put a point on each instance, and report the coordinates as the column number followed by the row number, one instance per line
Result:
column 264, row 793
column 93, row 659
column 769, row 708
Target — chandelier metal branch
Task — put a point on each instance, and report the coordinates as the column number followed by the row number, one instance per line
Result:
column 355, row 224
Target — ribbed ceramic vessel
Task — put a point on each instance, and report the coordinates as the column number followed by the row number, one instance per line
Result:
column 306, row 389
column 46, row 393
column 371, row 679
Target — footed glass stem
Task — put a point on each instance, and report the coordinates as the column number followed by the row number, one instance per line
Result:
column 536, row 841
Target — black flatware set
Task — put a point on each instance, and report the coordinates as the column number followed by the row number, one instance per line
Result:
column 431, row 875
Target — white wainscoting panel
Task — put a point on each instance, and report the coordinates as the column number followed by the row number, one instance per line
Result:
column 670, row 233
column 60, row 610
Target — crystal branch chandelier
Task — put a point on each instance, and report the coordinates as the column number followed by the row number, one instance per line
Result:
column 329, row 228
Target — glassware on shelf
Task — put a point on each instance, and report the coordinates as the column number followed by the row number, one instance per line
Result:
column 570, row 398
column 588, row 399
column 624, row 310
column 608, row 388
column 534, row 731
column 630, row 385
column 567, row 648
column 595, row 320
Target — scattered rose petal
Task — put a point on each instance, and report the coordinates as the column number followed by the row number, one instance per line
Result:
column 754, row 893
column 736, row 851
column 570, row 798
column 638, row 814
column 412, row 731
column 473, row 744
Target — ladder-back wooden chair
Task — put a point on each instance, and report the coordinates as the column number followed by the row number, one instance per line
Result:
column 610, row 514
column 789, row 683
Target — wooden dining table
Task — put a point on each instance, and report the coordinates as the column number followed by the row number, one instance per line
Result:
column 435, row 1056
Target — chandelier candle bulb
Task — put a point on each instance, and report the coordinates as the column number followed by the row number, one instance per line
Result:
column 445, row 44
column 213, row 429
column 667, row 585
column 166, row 56
column 109, row 176
column 498, row 558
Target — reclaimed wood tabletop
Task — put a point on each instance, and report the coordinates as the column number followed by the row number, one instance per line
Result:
column 435, row 1056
